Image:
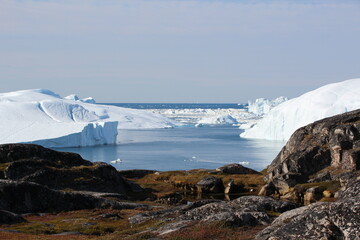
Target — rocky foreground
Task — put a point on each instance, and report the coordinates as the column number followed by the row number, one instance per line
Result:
column 310, row 191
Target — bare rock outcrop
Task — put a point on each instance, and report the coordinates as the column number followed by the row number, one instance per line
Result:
column 321, row 151
column 28, row 197
column 243, row 211
column 236, row 168
column 321, row 220
column 61, row 170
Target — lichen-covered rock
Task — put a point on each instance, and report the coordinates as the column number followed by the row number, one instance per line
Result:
column 243, row 211
column 60, row 170
column 338, row 220
column 15, row 152
column 236, row 168
column 335, row 220
column 210, row 184
column 319, row 151
column 352, row 190
column 26, row 197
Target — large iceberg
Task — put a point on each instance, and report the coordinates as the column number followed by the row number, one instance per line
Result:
column 262, row 106
column 43, row 117
column 323, row 102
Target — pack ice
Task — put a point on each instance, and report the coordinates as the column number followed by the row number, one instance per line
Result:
column 323, row 102
column 43, row 117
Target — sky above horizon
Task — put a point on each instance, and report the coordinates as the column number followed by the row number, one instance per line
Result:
column 178, row 50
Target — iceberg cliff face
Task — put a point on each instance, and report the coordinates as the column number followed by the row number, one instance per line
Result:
column 92, row 134
column 43, row 117
column 323, row 102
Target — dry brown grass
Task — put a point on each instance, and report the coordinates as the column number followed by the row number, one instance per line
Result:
column 165, row 183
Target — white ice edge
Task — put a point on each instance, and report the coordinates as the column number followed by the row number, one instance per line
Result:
column 326, row 101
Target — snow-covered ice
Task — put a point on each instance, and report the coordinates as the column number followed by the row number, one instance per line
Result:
column 201, row 116
column 116, row 161
column 43, row 117
column 219, row 119
column 262, row 106
column 323, row 102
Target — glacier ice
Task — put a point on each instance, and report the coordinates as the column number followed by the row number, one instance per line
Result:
column 88, row 100
column 42, row 116
column 320, row 103
column 262, row 106
column 89, row 134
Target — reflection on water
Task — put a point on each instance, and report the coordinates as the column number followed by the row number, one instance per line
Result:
column 183, row 149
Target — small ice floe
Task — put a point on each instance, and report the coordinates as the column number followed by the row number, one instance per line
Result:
column 199, row 125
column 244, row 163
column 193, row 157
column 116, row 161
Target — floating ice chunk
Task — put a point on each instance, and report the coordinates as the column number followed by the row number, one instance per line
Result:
column 219, row 119
column 244, row 163
column 116, row 161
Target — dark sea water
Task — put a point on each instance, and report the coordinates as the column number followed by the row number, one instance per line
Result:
column 183, row 148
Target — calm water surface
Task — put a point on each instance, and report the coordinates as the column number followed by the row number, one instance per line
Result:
column 183, row 148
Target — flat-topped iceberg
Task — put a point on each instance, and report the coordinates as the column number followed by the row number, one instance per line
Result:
column 323, row 102
column 43, row 117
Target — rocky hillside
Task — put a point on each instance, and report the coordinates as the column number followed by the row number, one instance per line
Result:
column 326, row 151
column 70, row 196
column 37, row 179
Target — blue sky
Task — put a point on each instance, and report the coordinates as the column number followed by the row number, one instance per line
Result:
column 178, row 51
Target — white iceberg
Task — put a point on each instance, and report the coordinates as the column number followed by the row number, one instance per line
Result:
column 43, row 117
column 323, row 102
column 219, row 119
column 262, row 106
column 74, row 97
column 198, row 116
column 88, row 100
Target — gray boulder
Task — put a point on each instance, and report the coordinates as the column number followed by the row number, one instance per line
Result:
column 210, row 184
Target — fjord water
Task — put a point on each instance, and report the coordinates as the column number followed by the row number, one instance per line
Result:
column 183, row 148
